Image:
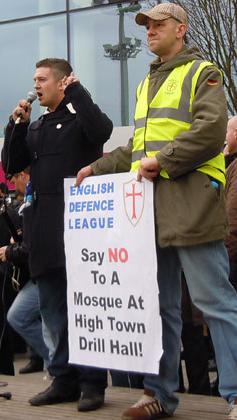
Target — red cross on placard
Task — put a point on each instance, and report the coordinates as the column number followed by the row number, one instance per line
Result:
column 133, row 194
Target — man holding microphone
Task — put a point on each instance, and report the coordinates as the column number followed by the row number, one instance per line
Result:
column 70, row 134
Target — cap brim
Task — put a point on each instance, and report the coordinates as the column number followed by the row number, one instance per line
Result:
column 141, row 18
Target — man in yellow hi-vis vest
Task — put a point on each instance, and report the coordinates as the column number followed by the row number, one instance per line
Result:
column 180, row 125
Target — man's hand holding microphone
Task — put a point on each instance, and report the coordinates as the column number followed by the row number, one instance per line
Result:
column 21, row 113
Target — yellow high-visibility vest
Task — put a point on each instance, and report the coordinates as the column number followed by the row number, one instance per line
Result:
column 168, row 115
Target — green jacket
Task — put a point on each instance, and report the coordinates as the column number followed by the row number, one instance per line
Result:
column 188, row 209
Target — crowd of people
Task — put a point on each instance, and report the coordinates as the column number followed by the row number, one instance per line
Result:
column 178, row 144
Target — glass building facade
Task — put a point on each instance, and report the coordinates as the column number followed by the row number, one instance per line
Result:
column 100, row 38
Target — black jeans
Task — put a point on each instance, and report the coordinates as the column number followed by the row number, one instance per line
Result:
column 53, row 307
column 196, row 359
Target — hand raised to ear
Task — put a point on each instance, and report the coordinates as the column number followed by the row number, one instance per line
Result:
column 68, row 80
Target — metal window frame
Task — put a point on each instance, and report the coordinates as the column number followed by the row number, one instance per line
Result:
column 67, row 12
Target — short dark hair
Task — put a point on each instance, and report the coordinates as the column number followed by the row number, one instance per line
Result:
column 61, row 66
column 3, row 188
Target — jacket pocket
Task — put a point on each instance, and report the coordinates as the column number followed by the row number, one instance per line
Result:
column 190, row 210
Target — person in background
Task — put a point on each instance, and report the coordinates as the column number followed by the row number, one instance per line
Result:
column 3, row 190
column 24, row 313
column 231, row 198
column 195, row 350
column 10, row 342
column 230, row 152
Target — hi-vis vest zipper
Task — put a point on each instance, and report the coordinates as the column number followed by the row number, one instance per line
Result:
column 170, row 114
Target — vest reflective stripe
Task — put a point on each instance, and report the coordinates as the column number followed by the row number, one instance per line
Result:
column 155, row 125
column 177, row 114
column 139, row 154
column 156, row 145
column 140, row 123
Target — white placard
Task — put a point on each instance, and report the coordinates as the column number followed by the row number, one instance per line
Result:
column 113, row 306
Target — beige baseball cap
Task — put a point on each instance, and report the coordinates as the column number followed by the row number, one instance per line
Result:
column 161, row 12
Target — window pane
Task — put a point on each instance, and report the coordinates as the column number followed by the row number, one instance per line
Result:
column 14, row 9
column 74, row 4
column 27, row 42
column 97, row 58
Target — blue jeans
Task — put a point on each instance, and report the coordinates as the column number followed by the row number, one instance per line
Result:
column 206, row 269
column 24, row 317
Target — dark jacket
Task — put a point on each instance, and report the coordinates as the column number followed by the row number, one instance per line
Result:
column 17, row 257
column 16, row 253
column 189, row 211
column 56, row 146
column 231, row 207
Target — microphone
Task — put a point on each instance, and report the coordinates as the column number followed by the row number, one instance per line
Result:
column 31, row 97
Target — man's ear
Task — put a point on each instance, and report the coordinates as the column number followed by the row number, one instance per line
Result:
column 181, row 30
column 61, row 85
column 235, row 134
